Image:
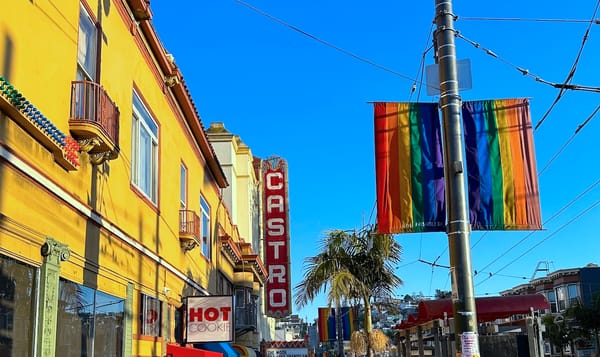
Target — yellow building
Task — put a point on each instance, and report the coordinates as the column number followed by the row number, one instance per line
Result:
column 111, row 207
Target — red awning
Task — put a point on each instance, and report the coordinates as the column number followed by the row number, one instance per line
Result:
column 488, row 308
column 178, row 351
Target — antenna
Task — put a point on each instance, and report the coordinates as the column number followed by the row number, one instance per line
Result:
column 537, row 268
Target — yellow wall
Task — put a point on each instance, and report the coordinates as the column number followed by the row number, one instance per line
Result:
column 38, row 55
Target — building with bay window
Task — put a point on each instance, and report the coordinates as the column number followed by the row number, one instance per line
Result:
column 111, row 207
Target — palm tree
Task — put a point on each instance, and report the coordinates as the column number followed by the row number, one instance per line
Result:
column 351, row 265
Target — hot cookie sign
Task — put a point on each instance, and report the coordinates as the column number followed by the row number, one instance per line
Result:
column 276, row 231
column 209, row 319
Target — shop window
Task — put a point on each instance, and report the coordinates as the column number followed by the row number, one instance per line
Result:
column 150, row 316
column 17, row 292
column 91, row 322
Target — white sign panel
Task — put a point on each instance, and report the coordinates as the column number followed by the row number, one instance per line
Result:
column 209, row 319
column 287, row 352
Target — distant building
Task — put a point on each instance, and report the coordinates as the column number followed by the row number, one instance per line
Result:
column 563, row 288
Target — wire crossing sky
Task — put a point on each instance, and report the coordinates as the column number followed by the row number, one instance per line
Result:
column 297, row 79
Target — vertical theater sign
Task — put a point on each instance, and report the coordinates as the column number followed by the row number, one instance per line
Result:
column 276, row 231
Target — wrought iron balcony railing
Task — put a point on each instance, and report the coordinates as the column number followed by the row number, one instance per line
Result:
column 189, row 229
column 94, row 121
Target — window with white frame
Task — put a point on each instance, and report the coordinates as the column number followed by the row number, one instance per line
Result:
column 182, row 187
column 205, row 212
column 144, row 147
column 87, row 46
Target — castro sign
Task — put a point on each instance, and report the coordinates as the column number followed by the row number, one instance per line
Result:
column 276, row 231
column 209, row 318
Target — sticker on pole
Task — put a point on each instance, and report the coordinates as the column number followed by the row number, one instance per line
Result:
column 469, row 344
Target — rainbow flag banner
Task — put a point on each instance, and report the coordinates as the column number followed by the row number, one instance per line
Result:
column 409, row 168
column 502, row 178
column 327, row 323
column 349, row 315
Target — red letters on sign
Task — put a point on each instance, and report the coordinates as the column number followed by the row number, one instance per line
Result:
column 209, row 314
column 277, row 259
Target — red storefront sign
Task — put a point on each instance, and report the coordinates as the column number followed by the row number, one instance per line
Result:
column 276, row 227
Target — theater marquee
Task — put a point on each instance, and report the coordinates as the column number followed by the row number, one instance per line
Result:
column 276, row 231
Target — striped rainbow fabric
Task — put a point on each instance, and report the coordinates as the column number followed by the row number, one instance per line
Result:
column 348, row 321
column 326, row 324
column 409, row 168
column 502, row 177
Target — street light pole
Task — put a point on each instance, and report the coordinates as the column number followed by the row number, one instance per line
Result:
column 458, row 228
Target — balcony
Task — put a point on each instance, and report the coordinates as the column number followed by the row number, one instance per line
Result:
column 189, row 229
column 94, row 121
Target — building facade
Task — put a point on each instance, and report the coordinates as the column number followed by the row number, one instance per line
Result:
column 111, row 204
column 243, row 198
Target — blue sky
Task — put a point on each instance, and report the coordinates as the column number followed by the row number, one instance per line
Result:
column 294, row 96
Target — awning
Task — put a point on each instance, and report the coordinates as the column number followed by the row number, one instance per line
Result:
column 179, row 351
column 221, row 347
column 488, row 308
column 244, row 351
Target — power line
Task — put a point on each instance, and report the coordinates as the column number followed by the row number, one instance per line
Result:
column 572, row 71
column 558, row 213
column 520, row 19
column 545, row 239
column 579, row 127
column 326, row 43
column 526, row 72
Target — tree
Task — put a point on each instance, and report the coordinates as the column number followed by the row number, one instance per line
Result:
column 441, row 294
column 587, row 319
column 558, row 331
column 351, row 266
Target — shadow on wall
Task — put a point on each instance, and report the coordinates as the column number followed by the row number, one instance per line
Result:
column 6, row 58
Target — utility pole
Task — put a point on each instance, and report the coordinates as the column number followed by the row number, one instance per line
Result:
column 458, row 228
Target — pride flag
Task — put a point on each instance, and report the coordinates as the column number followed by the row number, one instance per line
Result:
column 349, row 316
column 502, row 177
column 327, row 324
column 409, row 168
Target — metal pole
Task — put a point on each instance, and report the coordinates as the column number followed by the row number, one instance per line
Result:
column 458, row 228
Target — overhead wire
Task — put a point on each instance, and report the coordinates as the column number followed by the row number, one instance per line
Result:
column 555, row 215
column 577, row 131
column 571, row 74
column 520, row 19
column 326, row 43
column 579, row 215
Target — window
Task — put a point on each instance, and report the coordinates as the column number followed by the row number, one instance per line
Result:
column 552, row 301
column 245, row 307
column 91, row 322
column 17, row 293
column 573, row 294
column 205, row 227
column 144, row 147
column 87, row 46
column 182, row 187
column 150, row 316
column 562, row 299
